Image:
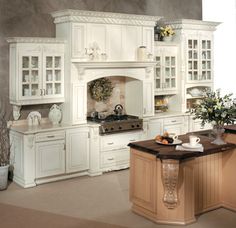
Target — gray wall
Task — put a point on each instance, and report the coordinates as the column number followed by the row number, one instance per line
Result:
column 32, row 18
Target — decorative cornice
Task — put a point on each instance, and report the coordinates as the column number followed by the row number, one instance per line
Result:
column 35, row 40
column 192, row 24
column 114, row 64
column 103, row 17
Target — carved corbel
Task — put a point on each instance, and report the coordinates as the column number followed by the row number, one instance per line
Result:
column 16, row 112
column 30, row 141
column 81, row 73
column 170, row 174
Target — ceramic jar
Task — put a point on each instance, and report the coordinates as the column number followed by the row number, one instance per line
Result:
column 55, row 114
column 142, row 53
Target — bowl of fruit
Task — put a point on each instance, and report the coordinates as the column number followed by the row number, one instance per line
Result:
column 167, row 139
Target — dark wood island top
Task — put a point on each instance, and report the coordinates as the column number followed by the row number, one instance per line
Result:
column 169, row 151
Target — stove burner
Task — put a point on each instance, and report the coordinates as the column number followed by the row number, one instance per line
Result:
column 118, row 123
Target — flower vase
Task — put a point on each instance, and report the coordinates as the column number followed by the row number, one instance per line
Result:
column 218, row 131
column 167, row 38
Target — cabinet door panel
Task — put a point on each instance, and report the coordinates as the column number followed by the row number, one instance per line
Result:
column 50, row 158
column 177, row 129
column 155, row 127
column 79, row 38
column 148, row 39
column 77, row 150
column 148, row 100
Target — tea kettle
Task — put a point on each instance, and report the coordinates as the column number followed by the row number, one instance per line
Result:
column 118, row 109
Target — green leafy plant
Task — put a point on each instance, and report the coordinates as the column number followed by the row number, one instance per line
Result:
column 216, row 109
column 100, row 89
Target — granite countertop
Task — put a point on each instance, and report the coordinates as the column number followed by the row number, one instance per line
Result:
column 169, row 152
column 230, row 129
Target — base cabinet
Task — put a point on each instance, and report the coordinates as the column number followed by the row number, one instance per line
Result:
column 77, row 149
column 50, row 158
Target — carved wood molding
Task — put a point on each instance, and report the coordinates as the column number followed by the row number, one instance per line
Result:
column 103, row 17
column 35, row 40
column 170, row 174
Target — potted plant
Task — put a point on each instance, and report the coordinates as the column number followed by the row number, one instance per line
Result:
column 217, row 110
column 167, row 32
column 4, row 151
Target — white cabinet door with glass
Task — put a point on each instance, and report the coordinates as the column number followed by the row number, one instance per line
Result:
column 199, row 58
column 166, row 68
column 36, row 70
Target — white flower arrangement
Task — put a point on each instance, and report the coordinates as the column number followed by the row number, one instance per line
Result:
column 167, row 31
column 215, row 109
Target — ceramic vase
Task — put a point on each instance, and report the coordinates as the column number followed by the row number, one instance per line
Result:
column 167, row 38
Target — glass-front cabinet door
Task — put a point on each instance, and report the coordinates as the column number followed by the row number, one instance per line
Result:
column 166, row 69
column 199, row 62
column 30, row 80
column 53, row 80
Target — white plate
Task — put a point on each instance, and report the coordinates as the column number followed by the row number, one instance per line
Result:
column 176, row 142
column 187, row 145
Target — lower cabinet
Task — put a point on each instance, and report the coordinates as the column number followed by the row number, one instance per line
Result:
column 195, row 125
column 174, row 125
column 50, row 158
column 77, row 149
column 155, row 127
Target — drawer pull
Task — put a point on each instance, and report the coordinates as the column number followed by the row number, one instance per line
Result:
column 50, row 136
column 132, row 140
column 111, row 143
column 110, row 159
column 173, row 121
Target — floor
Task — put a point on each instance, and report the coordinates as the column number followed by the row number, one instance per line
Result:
column 104, row 199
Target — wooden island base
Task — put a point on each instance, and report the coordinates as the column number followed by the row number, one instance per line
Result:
column 175, row 191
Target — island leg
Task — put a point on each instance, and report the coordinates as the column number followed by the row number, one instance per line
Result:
column 170, row 174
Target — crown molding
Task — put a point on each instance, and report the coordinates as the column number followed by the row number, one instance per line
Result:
column 35, row 40
column 103, row 17
column 192, row 24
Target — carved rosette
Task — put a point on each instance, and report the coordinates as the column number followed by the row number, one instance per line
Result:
column 170, row 173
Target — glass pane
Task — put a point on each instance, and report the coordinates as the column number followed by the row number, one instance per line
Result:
column 49, row 75
column 195, row 54
column 25, row 76
column 190, row 54
column 195, row 65
column 190, row 76
column 25, row 90
column 190, row 44
column 57, row 62
column 158, row 72
column 203, row 75
column 172, row 61
column 25, row 62
column 34, row 90
column 195, row 44
column 167, row 61
column 57, row 75
column 158, row 59
column 208, row 65
column 209, row 75
column 172, row 82
column 49, row 89
column 172, row 72
column 208, row 44
column 203, row 55
column 167, row 84
column 208, row 55
column 158, row 83
column 49, row 61
column 34, row 76
column 167, row 72
column 34, row 62
column 203, row 64
column 190, row 65
column 195, row 77
column 57, row 88
column 203, row 44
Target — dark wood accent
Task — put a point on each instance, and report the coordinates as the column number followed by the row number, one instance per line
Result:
column 169, row 152
column 230, row 129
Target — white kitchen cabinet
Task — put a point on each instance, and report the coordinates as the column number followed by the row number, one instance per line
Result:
column 77, row 149
column 166, row 70
column 155, row 127
column 148, row 39
column 148, row 99
column 36, row 71
column 195, row 125
column 50, row 153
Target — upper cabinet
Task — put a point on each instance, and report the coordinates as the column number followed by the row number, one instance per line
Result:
column 36, row 71
column 114, row 37
column 196, row 42
column 166, row 71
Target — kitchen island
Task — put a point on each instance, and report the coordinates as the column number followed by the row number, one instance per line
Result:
column 172, row 187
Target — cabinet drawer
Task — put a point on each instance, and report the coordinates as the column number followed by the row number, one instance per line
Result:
column 48, row 136
column 114, row 158
column 118, row 141
column 173, row 120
